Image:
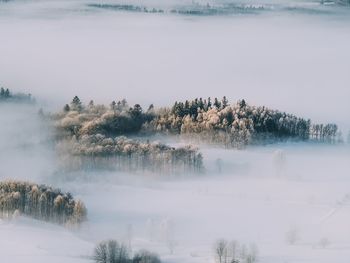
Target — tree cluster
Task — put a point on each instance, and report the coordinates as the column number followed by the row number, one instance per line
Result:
column 233, row 252
column 40, row 202
column 116, row 119
column 99, row 151
column 234, row 125
column 110, row 251
column 328, row 132
column 87, row 133
column 7, row 95
column 127, row 7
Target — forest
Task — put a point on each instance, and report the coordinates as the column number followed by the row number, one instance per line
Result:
column 237, row 125
column 118, row 136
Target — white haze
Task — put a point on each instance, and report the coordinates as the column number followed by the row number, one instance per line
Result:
column 292, row 62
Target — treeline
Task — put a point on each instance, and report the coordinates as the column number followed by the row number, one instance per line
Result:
column 236, row 125
column 110, row 251
column 126, row 7
column 98, row 151
column 40, row 202
column 8, row 96
column 233, row 252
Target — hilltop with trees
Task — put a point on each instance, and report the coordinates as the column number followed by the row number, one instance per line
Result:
column 216, row 121
column 94, row 135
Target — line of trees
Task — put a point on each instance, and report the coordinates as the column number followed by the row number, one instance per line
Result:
column 7, row 95
column 110, row 251
column 233, row 252
column 235, row 125
column 40, row 202
column 121, row 153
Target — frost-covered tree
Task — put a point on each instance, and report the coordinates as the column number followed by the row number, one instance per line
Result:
column 121, row 153
column 221, row 250
column 235, row 125
column 76, row 104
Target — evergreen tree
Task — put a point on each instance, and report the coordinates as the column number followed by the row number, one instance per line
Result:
column 7, row 93
column 217, row 104
column 113, row 105
column 76, row 104
column 66, row 108
column 224, row 102
column 91, row 104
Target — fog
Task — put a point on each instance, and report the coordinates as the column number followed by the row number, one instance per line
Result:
column 294, row 61
column 291, row 61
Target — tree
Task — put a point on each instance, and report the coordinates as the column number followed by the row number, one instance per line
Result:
column 66, row 108
column 91, row 104
column 242, row 103
column 7, row 93
column 136, row 111
column 2, row 92
column 209, row 103
column 220, row 250
column 150, row 109
column 101, row 253
column 76, row 104
column 224, row 102
column 113, row 105
column 217, row 104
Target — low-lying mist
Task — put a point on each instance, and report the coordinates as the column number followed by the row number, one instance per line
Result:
column 290, row 197
column 294, row 62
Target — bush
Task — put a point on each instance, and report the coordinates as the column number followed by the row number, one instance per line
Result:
column 145, row 256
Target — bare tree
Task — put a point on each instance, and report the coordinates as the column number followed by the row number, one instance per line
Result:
column 100, row 253
column 292, row 235
column 111, row 251
column 220, row 250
